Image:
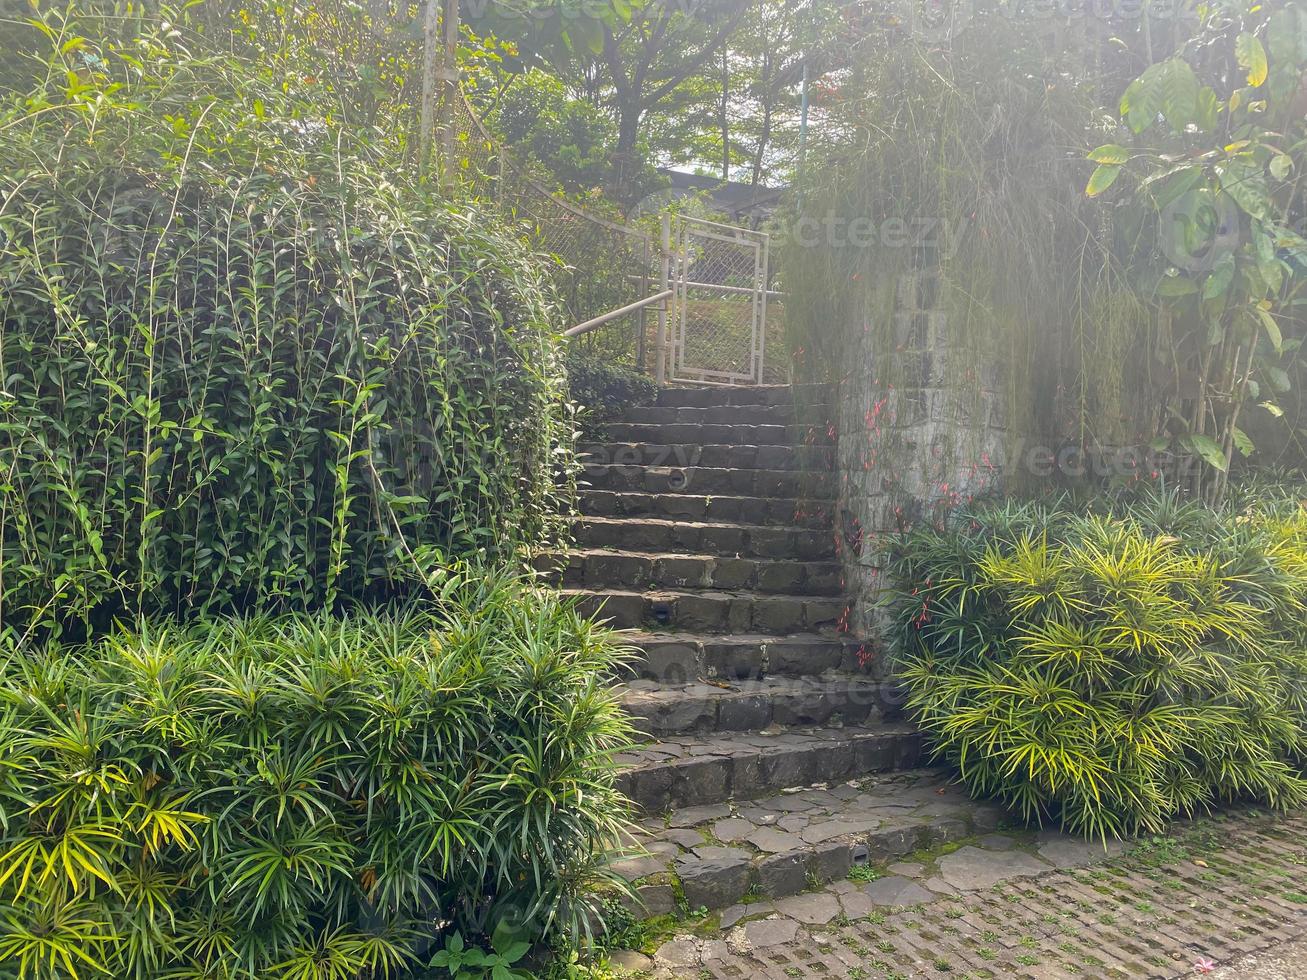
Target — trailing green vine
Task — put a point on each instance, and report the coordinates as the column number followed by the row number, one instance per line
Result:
column 244, row 362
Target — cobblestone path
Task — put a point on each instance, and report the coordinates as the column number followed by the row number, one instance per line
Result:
column 1204, row 896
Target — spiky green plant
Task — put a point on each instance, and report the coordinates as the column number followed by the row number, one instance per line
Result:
column 1110, row 666
column 306, row 797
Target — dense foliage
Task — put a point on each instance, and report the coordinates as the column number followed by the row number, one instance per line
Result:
column 1113, row 666
column 603, row 388
column 246, row 363
column 306, row 796
column 1214, row 158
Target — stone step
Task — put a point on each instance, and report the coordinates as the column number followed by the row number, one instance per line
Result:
column 712, row 612
column 660, row 710
column 703, row 396
column 632, row 570
column 716, row 854
column 694, row 770
column 680, row 456
column 682, row 657
column 816, row 414
column 706, row 538
column 719, row 434
column 708, row 480
column 707, row 507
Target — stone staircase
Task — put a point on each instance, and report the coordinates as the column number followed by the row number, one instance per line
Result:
column 707, row 532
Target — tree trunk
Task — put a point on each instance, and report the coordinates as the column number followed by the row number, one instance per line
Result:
column 725, row 116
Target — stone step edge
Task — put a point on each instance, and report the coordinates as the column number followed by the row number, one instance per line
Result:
column 678, row 656
column 677, row 710
column 616, row 522
column 719, row 883
column 681, row 455
column 797, row 758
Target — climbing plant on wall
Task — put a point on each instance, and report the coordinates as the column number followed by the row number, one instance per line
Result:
column 1208, row 186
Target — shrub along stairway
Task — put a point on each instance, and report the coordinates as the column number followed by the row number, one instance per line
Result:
column 708, row 532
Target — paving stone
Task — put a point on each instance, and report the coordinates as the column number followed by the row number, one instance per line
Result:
column 684, row 838
column 732, row 828
column 692, row 816
column 856, row 904
column 830, row 829
column 713, row 949
column 657, row 899
column 677, row 953
column 765, row 933
column 997, row 842
column 907, row 869
column 894, row 890
column 716, row 852
column 970, row 868
column 641, row 867
column 814, row 908
column 939, row 886
column 629, row 961
column 774, row 841
column 1064, row 851
column 735, row 913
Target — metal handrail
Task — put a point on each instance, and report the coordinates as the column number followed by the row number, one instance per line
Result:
column 599, row 321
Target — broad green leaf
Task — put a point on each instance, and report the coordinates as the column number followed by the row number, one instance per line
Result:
column 1208, row 449
column 1273, row 408
column 1281, row 164
column 1252, row 58
column 1272, row 329
column 1110, row 153
column 1218, row 281
column 1102, row 178
column 1242, row 442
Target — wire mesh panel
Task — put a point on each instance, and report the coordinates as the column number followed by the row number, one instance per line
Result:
column 720, row 302
column 600, row 265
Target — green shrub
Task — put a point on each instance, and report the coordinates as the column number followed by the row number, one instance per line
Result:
column 246, row 363
column 1111, row 666
column 265, row 797
column 602, row 389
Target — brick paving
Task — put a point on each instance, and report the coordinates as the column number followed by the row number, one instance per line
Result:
column 1215, row 890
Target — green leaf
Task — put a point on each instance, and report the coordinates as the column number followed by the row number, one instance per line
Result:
column 1110, row 153
column 1208, row 449
column 1252, row 58
column 1102, row 178
column 1218, row 282
column 1273, row 408
column 1272, row 329
column 1173, row 286
column 1281, row 164
column 1242, row 442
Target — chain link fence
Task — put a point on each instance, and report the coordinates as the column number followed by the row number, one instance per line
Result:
column 601, row 265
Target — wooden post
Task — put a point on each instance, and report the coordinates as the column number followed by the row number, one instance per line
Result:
column 660, row 343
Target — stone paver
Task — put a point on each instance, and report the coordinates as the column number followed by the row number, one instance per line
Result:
column 1228, row 890
column 894, row 890
column 971, row 868
column 780, row 844
column 814, row 909
column 1287, row 962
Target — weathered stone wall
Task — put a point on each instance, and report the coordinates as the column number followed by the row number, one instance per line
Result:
column 922, row 429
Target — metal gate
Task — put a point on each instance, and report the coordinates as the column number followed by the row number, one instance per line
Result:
column 718, row 314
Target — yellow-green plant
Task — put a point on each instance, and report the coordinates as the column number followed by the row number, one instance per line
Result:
column 307, row 796
column 1110, row 667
